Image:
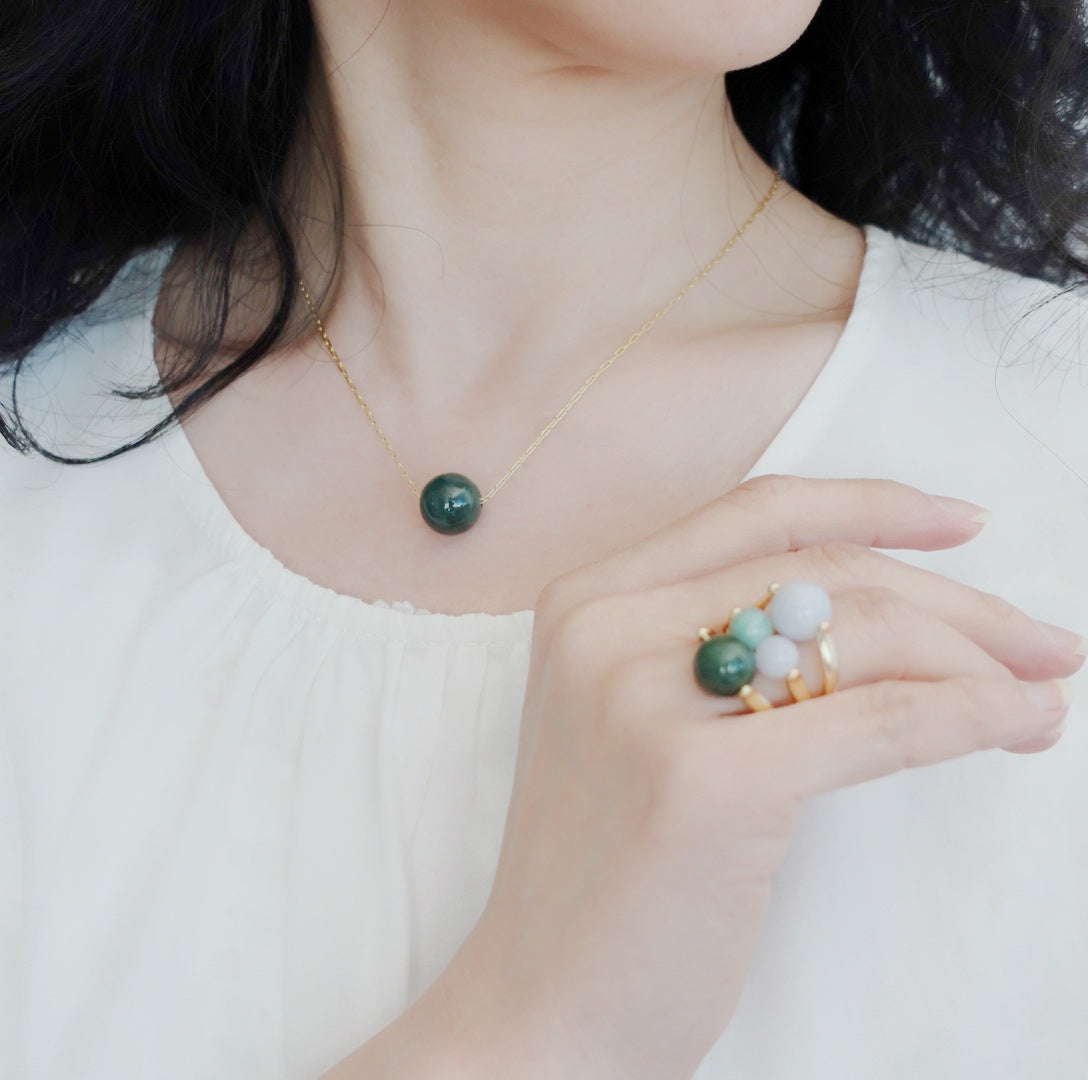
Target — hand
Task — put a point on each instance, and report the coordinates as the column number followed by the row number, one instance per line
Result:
column 649, row 818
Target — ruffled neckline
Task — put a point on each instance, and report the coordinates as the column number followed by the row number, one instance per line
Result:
column 399, row 619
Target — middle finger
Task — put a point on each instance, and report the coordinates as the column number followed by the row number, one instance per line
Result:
column 1008, row 634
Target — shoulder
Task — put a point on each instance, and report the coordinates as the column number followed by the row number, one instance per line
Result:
column 1000, row 316
column 985, row 349
column 63, row 390
column 64, row 387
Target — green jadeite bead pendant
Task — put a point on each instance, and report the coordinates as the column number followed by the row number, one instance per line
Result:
column 450, row 503
column 723, row 664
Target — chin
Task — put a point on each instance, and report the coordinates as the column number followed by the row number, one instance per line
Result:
column 661, row 36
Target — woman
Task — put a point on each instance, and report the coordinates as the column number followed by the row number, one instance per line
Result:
column 313, row 769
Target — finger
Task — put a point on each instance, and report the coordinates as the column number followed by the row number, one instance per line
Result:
column 773, row 514
column 877, row 729
column 1008, row 634
column 885, row 637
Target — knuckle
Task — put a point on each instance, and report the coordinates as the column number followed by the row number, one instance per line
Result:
column 893, row 706
column 840, row 561
column 995, row 609
column 772, row 500
column 760, row 490
column 884, row 607
column 579, row 630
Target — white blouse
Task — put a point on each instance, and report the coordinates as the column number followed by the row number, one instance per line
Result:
column 245, row 820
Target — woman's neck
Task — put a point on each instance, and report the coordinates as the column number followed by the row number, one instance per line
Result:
column 514, row 201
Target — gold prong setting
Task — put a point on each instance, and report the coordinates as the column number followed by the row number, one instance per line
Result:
column 799, row 690
column 829, row 658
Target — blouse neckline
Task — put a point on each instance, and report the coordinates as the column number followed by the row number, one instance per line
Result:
column 399, row 619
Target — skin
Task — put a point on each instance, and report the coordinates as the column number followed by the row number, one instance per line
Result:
column 525, row 182
column 482, row 181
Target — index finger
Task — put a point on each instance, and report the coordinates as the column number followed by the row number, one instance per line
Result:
column 772, row 514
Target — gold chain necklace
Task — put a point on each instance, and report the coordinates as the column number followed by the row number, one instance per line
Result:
column 451, row 502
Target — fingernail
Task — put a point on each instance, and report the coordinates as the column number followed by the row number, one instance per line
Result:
column 1065, row 639
column 962, row 508
column 1043, row 741
column 1052, row 695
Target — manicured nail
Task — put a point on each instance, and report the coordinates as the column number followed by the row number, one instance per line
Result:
column 1065, row 639
column 1052, row 695
column 962, row 508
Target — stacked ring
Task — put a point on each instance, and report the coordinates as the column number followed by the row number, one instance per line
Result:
column 764, row 638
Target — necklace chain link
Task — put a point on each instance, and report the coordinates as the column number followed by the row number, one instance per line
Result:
column 549, row 427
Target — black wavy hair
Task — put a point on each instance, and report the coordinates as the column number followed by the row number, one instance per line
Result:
column 124, row 124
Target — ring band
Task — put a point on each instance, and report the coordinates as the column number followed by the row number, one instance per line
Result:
column 764, row 638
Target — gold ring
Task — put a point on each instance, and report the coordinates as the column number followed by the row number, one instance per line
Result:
column 726, row 660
